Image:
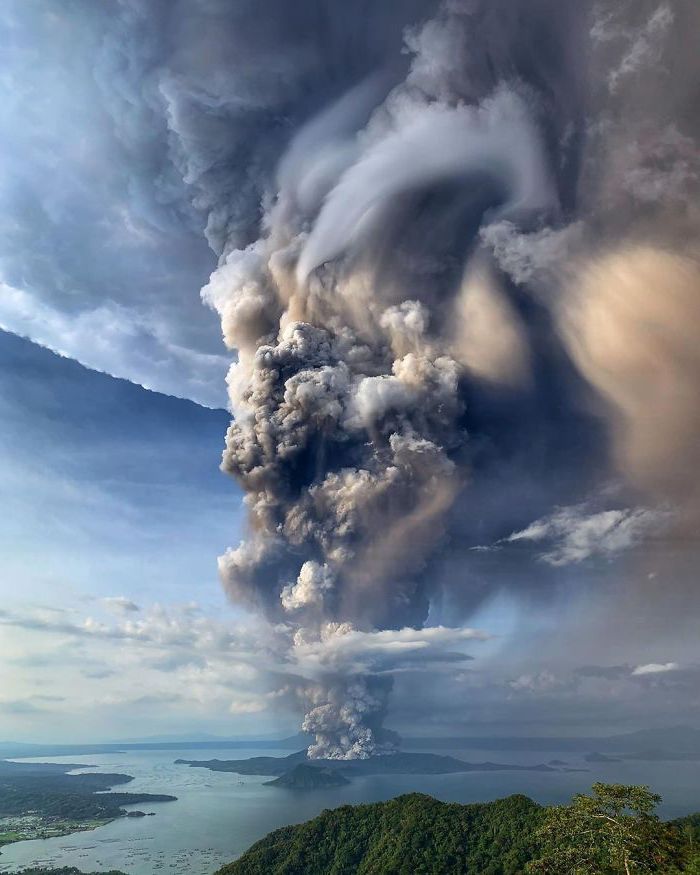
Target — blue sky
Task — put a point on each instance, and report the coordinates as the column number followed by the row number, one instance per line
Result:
column 113, row 504
column 99, row 467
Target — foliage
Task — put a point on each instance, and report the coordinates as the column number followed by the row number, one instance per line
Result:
column 690, row 828
column 410, row 835
column 615, row 830
column 688, row 832
column 305, row 777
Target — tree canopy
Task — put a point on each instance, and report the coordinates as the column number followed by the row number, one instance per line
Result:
column 614, row 830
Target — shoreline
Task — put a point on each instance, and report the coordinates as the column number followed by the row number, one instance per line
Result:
column 43, row 828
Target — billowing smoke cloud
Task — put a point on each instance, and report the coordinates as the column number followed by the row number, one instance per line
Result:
column 349, row 433
column 346, row 718
column 630, row 313
column 457, row 252
column 456, row 247
column 420, row 313
column 633, row 326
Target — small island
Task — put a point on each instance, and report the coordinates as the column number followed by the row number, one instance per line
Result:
column 308, row 777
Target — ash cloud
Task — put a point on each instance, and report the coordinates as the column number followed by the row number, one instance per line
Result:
column 350, row 434
column 346, row 717
column 457, row 250
column 415, row 325
column 632, row 327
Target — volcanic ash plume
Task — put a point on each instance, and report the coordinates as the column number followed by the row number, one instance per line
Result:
column 347, row 722
column 633, row 327
column 347, row 435
column 411, row 359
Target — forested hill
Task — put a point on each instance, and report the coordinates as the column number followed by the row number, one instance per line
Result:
column 409, row 835
column 614, row 831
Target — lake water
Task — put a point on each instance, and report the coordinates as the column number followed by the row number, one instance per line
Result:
column 218, row 815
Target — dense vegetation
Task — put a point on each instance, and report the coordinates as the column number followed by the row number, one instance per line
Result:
column 410, row 835
column 615, row 830
column 303, row 777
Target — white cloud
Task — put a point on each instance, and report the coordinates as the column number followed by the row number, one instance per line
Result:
column 248, row 706
column 646, row 47
column 537, row 682
column 574, row 534
column 339, row 646
column 177, row 662
column 257, row 704
column 181, row 657
column 655, row 668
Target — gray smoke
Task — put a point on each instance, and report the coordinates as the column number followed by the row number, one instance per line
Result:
column 414, row 209
column 346, row 718
column 349, row 432
column 455, row 250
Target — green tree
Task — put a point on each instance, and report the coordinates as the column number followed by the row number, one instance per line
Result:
column 692, row 866
column 615, row 830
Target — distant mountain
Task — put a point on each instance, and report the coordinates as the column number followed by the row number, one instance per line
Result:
column 11, row 749
column 207, row 738
column 596, row 757
column 175, row 738
column 674, row 739
column 678, row 739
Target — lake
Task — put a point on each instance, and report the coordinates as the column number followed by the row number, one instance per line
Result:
column 218, row 815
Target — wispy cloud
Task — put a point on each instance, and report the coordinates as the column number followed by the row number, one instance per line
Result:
column 605, row 672
column 655, row 668
column 341, row 647
column 575, row 535
column 120, row 605
column 572, row 535
column 177, row 654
